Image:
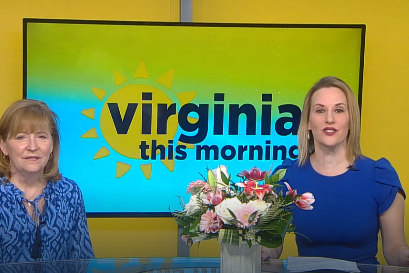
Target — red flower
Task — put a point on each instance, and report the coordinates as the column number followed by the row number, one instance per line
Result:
column 254, row 174
column 290, row 191
column 214, row 198
column 251, row 187
column 305, row 200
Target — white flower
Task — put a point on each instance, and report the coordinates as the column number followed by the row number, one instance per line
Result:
column 217, row 172
column 199, row 238
column 221, row 209
column 192, row 206
column 261, row 206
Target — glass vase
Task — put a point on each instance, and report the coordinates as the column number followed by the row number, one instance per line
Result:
column 240, row 259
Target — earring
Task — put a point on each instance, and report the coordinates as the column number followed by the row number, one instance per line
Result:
column 308, row 135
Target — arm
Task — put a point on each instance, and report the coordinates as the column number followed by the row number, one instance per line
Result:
column 395, row 248
column 273, row 253
column 82, row 246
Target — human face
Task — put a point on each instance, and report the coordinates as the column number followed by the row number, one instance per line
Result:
column 329, row 118
column 28, row 152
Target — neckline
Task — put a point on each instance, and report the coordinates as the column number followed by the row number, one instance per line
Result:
column 323, row 175
column 20, row 193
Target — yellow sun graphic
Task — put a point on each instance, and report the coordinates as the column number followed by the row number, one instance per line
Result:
column 129, row 117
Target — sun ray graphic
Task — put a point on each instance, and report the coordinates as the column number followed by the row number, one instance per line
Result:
column 89, row 113
column 99, row 93
column 141, row 72
column 121, row 169
column 121, row 121
column 91, row 133
column 118, row 78
column 103, row 152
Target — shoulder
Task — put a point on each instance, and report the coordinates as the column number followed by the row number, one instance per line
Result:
column 381, row 171
column 287, row 164
column 65, row 184
column 292, row 169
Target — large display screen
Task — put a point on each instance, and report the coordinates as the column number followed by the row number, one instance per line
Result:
column 145, row 107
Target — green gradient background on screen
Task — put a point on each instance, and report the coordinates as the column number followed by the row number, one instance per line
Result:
column 64, row 61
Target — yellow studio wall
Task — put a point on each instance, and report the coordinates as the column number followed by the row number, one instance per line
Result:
column 385, row 127
column 385, row 108
column 111, row 237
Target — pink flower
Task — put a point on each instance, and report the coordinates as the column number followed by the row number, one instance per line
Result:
column 251, row 187
column 254, row 174
column 214, row 198
column 186, row 239
column 195, row 187
column 243, row 213
column 210, row 222
column 305, row 200
column 290, row 191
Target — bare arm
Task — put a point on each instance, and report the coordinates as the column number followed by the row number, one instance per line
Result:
column 395, row 248
column 273, row 253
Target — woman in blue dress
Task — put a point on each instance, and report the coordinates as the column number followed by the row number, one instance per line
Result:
column 355, row 196
column 42, row 214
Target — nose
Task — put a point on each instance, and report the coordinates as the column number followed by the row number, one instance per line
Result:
column 329, row 118
column 32, row 143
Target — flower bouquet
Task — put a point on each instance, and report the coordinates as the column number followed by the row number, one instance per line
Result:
column 250, row 211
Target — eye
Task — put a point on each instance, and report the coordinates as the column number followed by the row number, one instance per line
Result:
column 20, row 137
column 339, row 110
column 319, row 111
column 43, row 136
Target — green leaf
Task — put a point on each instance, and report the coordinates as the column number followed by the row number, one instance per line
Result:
column 224, row 178
column 230, row 236
column 211, row 179
column 185, row 231
column 195, row 225
column 236, row 223
column 189, row 219
column 281, row 173
column 274, row 178
column 232, row 213
column 181, row 222
column 288, row 198
column 291, row 228
column 267, row 179
column 270, row 239
column 252, row 216
column 280, row 225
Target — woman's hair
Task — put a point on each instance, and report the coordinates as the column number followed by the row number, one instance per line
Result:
column 32, row 116
column 305, row 137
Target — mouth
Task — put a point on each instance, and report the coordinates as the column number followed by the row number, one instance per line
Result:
column 329, row 130
column 32, row 158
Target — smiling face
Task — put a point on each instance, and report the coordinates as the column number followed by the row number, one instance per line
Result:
column 29, row 152
column 329, row 119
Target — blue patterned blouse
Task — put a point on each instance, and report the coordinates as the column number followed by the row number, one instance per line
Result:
column 63, row 228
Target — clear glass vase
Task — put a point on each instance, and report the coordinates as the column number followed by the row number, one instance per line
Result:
column 240, row 259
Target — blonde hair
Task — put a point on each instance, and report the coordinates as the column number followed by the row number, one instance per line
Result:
column 306, row 139
column 31, row 115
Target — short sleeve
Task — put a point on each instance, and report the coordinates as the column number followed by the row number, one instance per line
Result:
column 287, row 163
column 387, row 184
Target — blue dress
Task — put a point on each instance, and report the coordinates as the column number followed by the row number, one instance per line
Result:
column 344, row 223
column 63, row 228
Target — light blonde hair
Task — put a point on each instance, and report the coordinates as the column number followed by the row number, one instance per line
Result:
column 306, row 139
column 31, row 115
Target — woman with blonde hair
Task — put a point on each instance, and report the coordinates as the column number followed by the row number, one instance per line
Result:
column 42, row 214
column 356, row 197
